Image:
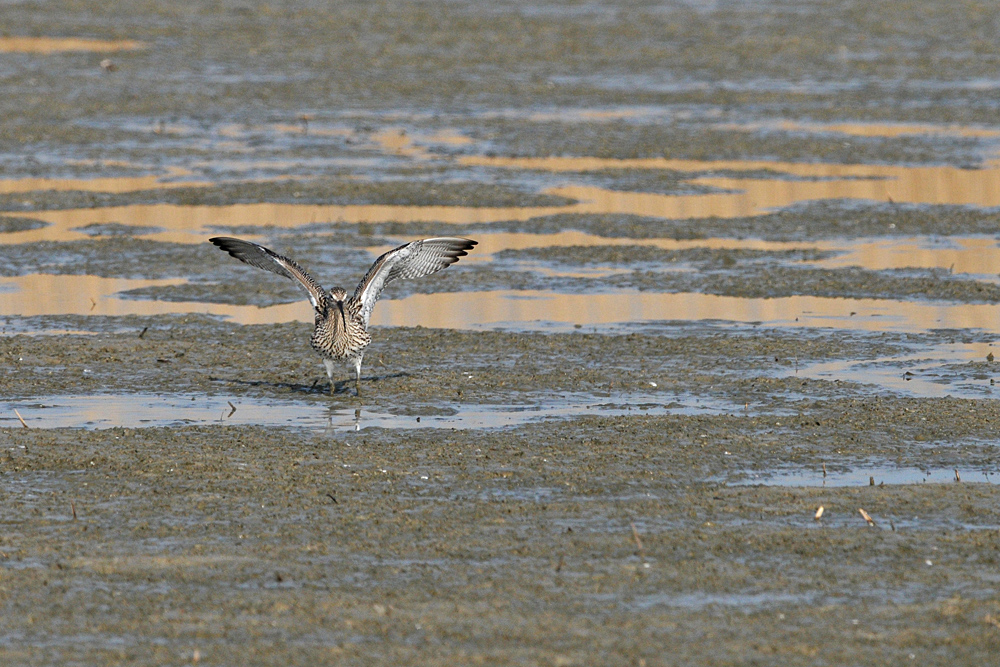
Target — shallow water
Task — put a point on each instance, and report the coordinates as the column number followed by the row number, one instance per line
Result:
column 863, row 476
column 49, row 45
column 336, row 413
column 929, row 371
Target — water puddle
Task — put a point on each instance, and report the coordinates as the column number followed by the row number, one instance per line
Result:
column 756, row 195
column 111, row 185
column 888, row 130
column 946, row 369
column 193, row 224
column 865, row 476
column 334, row 413
column 977, row 257
column 48, row 45
column 765, row 187
column 521, row 310
column 695, row 601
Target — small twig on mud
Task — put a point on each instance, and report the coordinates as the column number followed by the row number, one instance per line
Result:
column 819, row 514
column 824, row 470
column 958, row 477
column 233, row 407
column 560, row 563
column 304, row 119
column 143, row 332
column 20, row 418
column 867, row 518
column 638, row 542
column 72, row 505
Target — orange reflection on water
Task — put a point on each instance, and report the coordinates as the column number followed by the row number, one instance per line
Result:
column 47, row 45
column 93, row 295
column 113, row 185
column 190, row 224
column 960, row 255
column 972, row 255
column 889, row 130
column 750, row 196
column 491, row 243
column 528, row 309
column 465, row 310
column 939, row 184
column 397, row 141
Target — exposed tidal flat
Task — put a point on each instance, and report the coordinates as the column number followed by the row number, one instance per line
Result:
column 736, row 263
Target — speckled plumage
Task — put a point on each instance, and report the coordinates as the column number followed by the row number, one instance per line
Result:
column 341, row 332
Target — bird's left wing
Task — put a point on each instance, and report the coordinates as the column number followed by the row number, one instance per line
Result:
column 265, row 258
column 412, row 260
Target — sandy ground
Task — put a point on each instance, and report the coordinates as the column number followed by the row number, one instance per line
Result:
column 649, row 524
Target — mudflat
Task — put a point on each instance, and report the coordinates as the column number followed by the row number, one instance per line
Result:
column 756, row 432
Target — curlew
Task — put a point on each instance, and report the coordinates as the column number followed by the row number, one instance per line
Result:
column 341, row 332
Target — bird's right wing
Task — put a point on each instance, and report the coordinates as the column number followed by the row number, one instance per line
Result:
column 267, row 259
column 411, row 260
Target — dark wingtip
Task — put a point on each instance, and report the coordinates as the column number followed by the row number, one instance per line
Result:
column 227, row 243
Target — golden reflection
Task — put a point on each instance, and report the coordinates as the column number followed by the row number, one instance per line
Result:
column 971, row 255
column 888, row 130
column 395, row 141
column 90, row 295
column 975, row 255
column 47, row 45
column 46, row 294
column 113, row 185
column 744, row 196
column 938, row 184
column 191, row 224
column 749, row 197
column 491, row 243
column 465, row 310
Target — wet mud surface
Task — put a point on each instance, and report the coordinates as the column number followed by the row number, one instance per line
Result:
column 752, row 273
column 407, row 544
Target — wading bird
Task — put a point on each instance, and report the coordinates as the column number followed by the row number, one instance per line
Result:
column 341, row 332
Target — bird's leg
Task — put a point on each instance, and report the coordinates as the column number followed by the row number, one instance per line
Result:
column 357, row 375
column 329, row 372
